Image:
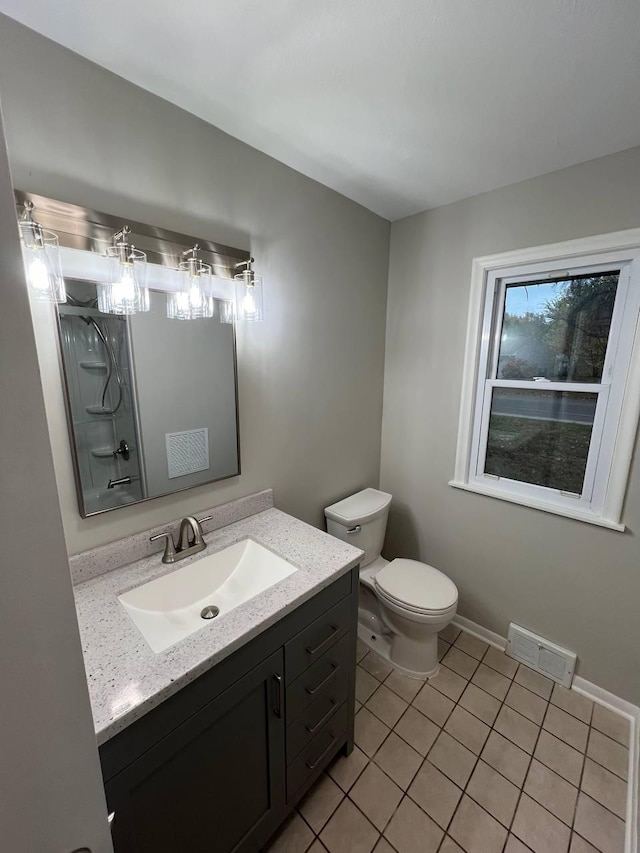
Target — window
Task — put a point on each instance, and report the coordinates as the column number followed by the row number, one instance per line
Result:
column 551, row 392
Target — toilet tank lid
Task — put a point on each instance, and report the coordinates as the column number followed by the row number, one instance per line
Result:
column 363, row 506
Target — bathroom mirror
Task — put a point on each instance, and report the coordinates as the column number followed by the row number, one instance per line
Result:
column 151, row 401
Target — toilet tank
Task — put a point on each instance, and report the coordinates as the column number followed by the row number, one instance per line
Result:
column 361, row 520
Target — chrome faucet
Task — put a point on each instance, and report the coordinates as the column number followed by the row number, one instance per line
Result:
column 190, row 540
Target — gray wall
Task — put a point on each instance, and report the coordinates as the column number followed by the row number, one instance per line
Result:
column 184, row 376
column 573, row 582
column 311, row 374
column 51, row 796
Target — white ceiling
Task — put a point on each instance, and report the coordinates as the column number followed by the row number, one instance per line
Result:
column 401, row 105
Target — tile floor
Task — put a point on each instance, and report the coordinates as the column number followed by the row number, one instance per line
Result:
column 486, row 757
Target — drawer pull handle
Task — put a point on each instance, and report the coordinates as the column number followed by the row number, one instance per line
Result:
column 313, row 729
column 313, row 764
column 323, row 644
column 312, row 690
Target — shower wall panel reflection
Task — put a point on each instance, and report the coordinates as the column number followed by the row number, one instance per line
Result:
column 151, row 402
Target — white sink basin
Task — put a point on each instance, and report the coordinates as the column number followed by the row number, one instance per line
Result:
column 170, row 608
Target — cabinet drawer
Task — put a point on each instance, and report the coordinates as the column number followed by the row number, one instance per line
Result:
column 318, row 752
column 311, row 720
column 309, row 645
column 327, row 675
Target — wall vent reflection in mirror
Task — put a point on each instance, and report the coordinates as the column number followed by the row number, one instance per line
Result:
column 187, row 452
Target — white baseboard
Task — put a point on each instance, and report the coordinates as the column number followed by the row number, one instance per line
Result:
column 601, row 697
column 481, row 633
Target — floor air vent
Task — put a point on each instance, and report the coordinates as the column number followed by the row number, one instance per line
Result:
column 539, row 654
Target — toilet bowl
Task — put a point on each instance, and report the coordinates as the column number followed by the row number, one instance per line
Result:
column 403, row 603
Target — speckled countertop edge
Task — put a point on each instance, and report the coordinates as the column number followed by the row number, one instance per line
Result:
column 126, row 679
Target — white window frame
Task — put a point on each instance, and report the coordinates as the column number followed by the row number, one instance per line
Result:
column 618, row 393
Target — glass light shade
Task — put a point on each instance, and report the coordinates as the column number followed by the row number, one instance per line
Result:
column 193, row 301
column 249, row 296
column 42, row 264
column 127, row 291
column 226, row 310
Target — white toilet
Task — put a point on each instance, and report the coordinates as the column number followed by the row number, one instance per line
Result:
column 403, row 603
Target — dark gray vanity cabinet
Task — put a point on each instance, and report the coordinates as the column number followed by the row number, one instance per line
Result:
column 218, row 766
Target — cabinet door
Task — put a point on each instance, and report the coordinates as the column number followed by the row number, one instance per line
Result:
column 214, row 785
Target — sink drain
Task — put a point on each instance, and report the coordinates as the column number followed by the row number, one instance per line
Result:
column 209, row 612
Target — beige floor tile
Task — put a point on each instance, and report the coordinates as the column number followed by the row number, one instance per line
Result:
column 383, row 846
column 559, row 756
column 349, row 831
column 376, row 795
column 506, row 758
column 599, row 826
column 386, row 705
column 449, row 683
column 407, row 688
column 317, row 847
column 459, row 662
column 366, row 684
column 552, row 791
column 475, row 830
column 345, row 770
column 418, row 731
column 516, row 728
column 609, row 753
column 410, row 830
column 453, row 759
column 435, row 794
column 320, row 803
column 491, row 681
column 480, row 704
column 566, row 728
column 534, row 682
column 449, row 846
column 449, row 634
column 602, row 785
column 370, row 731
column 471, row 645
column 469, row 730
column 361, row 650
column 376, row 666
column 433, row 704
column 529, row 704
column 493, row 792
column 579, row 845
column 499, row 661
column 573, row 703
column 398, row 760
column 514, row 845
column 611, row 724
column 539, row 829
column 294, row 836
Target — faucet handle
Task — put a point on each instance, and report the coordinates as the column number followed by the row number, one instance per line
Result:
column 169, row 549
column 206, row 518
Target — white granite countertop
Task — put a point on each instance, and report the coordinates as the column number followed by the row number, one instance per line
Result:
column 126, row 679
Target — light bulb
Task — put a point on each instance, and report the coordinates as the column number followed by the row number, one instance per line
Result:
column 249, row 303
column 125, row 289
column 39, row 275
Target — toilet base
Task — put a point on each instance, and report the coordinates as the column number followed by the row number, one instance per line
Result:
column 382, row 644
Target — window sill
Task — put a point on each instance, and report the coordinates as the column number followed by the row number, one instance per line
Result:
column 577, row 515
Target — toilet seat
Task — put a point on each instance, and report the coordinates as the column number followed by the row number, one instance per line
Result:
column 416, row 587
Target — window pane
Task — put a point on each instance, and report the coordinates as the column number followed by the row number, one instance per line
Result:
column 540, row 437
column 557, row 330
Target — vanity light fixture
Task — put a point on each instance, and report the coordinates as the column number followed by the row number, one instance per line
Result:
column 194, row 299
column 41, row 253
column 248, row 293
column 126, row 292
